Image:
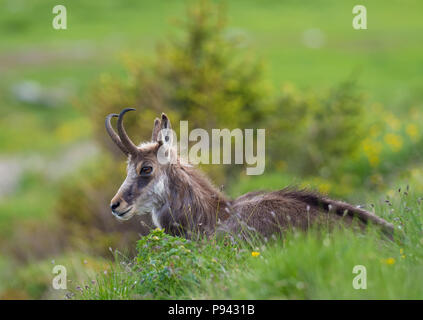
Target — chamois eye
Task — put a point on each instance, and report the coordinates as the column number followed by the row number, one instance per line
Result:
column 146, row 170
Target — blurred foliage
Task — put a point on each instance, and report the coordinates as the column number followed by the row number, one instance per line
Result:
column 84, row 213
column 313, row 134
column 82, row 219
column 34, row 280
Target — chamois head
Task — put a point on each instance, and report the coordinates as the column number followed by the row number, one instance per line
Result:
column 145, row 182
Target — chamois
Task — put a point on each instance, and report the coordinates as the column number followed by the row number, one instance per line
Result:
column 183, row 201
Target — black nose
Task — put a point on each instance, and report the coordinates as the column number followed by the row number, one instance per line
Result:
column 113, row 206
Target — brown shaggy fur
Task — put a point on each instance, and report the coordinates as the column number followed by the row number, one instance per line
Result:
column 195, row 205
column 187, row 203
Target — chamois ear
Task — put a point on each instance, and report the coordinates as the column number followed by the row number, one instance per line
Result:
column 156, row 130
column 165, row 124
column 165, row 132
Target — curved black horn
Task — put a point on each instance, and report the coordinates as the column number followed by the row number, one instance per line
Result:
column 129, row 145
column 113, row 134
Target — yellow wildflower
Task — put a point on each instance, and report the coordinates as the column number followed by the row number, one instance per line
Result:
column 394, row 141
column 372, row 150
column 402, row 253
column 324, row 187
column 156, row 238
column 412, row 131
column 389, row 261
column 371, row 146
column 373, row 160
column 255, row 253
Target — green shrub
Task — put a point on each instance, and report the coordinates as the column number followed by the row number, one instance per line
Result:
column 315, row 133
column 167, row 267
column 169, row 263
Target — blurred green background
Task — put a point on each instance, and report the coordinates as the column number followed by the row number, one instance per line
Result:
column 342, row 109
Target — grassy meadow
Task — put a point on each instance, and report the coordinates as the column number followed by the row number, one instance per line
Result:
column 361, row 143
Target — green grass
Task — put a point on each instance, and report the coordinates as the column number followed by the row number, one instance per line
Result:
column 166, row 267
column 311, row 265
column 34, row 280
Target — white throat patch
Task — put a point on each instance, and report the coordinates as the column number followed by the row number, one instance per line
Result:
column 154, row 198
